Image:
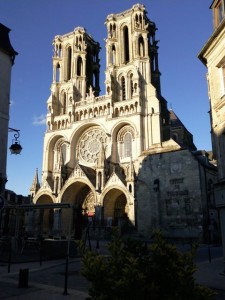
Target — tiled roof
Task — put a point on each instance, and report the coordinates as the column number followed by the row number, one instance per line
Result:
column 175, row 121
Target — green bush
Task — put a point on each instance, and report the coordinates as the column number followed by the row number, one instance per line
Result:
column 133, row 271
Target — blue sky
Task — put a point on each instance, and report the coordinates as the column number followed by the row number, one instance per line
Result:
column 184, row 26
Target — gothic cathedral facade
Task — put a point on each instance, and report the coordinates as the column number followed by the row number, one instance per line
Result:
column 102, row 153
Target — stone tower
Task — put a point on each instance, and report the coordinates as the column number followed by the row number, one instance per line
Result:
column 132, row 72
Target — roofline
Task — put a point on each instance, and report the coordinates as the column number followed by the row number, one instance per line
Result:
column 210, row 41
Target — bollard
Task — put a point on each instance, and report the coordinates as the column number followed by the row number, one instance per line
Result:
column 23, row 278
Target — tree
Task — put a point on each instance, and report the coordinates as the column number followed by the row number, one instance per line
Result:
column 134, row 271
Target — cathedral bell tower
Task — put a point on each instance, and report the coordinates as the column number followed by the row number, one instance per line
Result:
column 132, row 71
column 75, row 71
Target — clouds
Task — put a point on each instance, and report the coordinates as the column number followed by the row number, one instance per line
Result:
column 11, row 102
column 39, row 120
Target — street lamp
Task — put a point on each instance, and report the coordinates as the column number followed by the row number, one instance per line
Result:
column 15, row 148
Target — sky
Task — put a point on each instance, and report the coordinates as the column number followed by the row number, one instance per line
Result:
column 184, row 26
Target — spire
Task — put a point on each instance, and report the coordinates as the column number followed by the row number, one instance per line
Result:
column 35, row 185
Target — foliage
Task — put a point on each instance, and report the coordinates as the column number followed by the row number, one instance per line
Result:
column 133, row 271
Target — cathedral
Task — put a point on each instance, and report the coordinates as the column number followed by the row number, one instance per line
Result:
column 123, row 158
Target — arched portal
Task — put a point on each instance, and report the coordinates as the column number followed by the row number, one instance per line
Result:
column 44, row 217
column 82, row 201
column 115, row 207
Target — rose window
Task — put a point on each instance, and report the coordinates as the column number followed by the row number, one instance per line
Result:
column 90, row 144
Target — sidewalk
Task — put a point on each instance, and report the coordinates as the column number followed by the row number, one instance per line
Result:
column 48, row 280
column 45, row 282
column 211, row 274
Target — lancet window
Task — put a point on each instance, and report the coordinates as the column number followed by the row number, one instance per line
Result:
column 123, row 88
column 69, row 63
column 141, row 47
column 125, row 139
column 64, row 104
column 79, row 66
column 131, row 85
column 60, row 156
column 126, row 44
column 113, row 55
column 57, row 76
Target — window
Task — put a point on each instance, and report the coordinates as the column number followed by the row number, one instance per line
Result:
column 113, row 55
column 123, row 88
column 126, row 45
column 125, row 140
column 60, row 51
column 64, row 104
column 114, row 30
column 222, row 76
column 127, row 145
column 60, row 154
column 110, row 30
column 141, row 47
column 57, row 72
column 63, row 153
column 69, row 62
column 79, row 66
column 218, row 12
column 131, row 86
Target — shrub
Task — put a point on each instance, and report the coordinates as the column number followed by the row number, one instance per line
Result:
column 133, row 271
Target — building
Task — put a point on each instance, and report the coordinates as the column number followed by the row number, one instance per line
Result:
column 213, row 57
column 122, row 156
column 7, row 57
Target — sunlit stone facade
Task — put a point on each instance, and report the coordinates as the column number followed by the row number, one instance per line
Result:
column 112, row 155
column 213, row 56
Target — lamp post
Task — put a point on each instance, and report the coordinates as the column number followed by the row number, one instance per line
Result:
column 15, row 148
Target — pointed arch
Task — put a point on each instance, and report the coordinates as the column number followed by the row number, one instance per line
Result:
column 125, row 138
column 141, row 46
column 113, row 55
column 123, row 88
column 57, row 76
column 126, row 54
column 64, row 104
column 79, row 66
column 69, row 63
column 131, row 85
column 127, row 144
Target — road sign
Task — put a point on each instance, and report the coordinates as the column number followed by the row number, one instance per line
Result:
column 1, row 202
